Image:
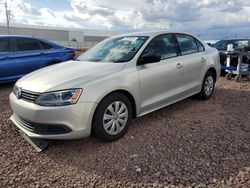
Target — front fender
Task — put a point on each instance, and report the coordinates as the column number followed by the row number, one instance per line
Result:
column 98, row 89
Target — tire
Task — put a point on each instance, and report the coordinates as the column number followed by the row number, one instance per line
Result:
column 238, row 78
column 207, row 86
column 114, row 125
column 229, row 76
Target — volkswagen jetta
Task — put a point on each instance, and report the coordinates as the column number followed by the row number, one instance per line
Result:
column 121, row 78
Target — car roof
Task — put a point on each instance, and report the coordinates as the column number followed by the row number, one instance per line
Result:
column 19, row 36
column 31, row 37
column 235, row 39
column 150, row 33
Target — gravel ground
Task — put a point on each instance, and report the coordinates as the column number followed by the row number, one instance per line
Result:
column 189, row 144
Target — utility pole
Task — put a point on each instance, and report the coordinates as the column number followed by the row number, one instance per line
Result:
column 7, row 17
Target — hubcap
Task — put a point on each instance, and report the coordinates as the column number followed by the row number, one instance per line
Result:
column 209, row 85
column 115, row 118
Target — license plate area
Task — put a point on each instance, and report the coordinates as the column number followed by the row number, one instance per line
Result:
column 38, row 144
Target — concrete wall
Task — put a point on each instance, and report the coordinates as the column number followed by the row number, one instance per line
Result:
column 78, row 35
column 85, row 38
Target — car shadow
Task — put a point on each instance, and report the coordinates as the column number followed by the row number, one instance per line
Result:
column 5, row 90
column 6, row 86
column 191, row 141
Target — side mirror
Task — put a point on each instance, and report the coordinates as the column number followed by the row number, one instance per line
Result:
column 149, row 58
column 230, row 48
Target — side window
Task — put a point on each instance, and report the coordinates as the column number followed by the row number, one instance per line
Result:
column 4, row 45
column 240, row 43
column 45, row 45
column 187, row 44
column 162, row 45
column 200, row 46
column 26, row 44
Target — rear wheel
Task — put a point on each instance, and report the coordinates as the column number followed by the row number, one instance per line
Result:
column 112, row 117
column 207, row 86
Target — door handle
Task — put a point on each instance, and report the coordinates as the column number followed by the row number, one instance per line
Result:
column 179, row 65
column 203, row 60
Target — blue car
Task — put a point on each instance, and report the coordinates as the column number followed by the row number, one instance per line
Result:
column 20, row 55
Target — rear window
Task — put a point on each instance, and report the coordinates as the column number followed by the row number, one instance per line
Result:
column 45, row 45
column 187, row 44
column 26, row 44
column 200, row 46
column 4, row 45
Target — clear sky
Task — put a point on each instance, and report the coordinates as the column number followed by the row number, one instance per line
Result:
column 209, row 19
column 55, row 5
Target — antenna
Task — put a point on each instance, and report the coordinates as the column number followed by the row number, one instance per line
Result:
column 171, row 25
column 7, row 17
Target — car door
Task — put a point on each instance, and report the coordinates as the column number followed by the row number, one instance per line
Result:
column 7, row 69
column 28, row 55
column 159, row 82
column 193, row 59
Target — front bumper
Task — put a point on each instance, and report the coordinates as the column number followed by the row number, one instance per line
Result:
column 67, row 122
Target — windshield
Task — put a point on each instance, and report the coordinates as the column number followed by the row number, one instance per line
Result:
column 222, row 45
column 115, row 50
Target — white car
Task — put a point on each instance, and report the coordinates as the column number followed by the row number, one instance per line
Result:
column 121, row 78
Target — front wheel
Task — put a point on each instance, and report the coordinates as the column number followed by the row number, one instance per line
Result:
column 207, row 86
column 238, row 78
column 112, row 117
column 229, row 76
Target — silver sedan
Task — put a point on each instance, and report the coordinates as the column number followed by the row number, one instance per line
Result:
column 121, row 78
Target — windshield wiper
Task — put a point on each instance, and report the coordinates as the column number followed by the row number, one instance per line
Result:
column 119, row 61
column 93, row 60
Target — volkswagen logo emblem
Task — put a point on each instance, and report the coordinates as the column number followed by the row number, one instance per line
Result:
column 19, row 93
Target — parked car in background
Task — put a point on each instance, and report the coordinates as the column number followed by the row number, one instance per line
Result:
column 20, row 55
column 121, row 78
column 222, row 47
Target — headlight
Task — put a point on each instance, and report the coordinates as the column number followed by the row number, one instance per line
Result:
column 15, row 90
column 59, row 98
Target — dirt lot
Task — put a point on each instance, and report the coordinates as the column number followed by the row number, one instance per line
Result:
column 191, row 143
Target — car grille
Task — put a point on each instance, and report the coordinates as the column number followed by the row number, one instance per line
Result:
column 44, row 129
column 29, row 96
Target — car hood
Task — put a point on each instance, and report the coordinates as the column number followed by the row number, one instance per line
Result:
column 66, row 75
